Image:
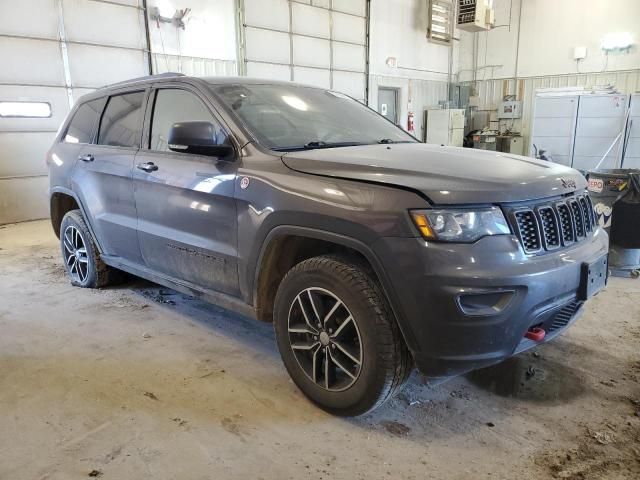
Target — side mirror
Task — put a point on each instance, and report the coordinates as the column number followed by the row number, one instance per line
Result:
column 200, row 138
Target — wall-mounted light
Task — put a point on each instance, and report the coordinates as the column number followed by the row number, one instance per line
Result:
column 617, row 41
column 25, row 109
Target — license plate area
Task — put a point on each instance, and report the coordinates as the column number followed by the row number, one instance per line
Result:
column 593, row 277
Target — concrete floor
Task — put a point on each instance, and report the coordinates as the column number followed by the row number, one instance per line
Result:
column 136, row 382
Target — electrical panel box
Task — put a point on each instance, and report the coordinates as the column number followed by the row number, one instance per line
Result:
column 510, row 109
column 474, row 15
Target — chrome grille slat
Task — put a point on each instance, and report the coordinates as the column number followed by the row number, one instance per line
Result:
column 529, row 232
column 548, row 226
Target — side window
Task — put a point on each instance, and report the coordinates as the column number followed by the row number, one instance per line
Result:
column 81, row 126
column 176, row 106
column 121, row 123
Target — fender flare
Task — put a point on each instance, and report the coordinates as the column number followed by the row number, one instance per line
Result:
column 349, row 242
column 83, row 210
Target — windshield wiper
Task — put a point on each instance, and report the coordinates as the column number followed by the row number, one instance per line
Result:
column 386, row 140
column 317, row 144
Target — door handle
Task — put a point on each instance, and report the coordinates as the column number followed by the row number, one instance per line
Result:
column 147, row 167
column 86, row 158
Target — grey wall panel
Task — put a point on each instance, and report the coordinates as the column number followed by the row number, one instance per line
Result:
column 349, row 57
column 267, row 46
column 309, row 20
column 312, row 52
column 23, row 199
column 354, row 7
column 56, row 96
column 312, row 76
column 127, row 22
column 34, row 18
column 268, row 70
column 349, row 28
column 24, row 153
column 99, row 66
column 30, row 62
column 270, row 14
column 352, row 84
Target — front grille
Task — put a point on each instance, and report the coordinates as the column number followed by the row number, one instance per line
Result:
column 549, row 226
column 528, row 228
column 550, row 230
column 578, row 219
column 564, row 316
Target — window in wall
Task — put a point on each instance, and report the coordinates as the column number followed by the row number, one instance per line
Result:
column 121, row 124
column 81, row 126
column 25, row 110
column 176, row 106
column 440, row 24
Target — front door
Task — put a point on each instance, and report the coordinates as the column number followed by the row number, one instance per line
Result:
column 102, row 175
column 187, row 223
column 387, row 103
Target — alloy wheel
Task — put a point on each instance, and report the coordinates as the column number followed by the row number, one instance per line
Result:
column 75, row 254
column 325, row 339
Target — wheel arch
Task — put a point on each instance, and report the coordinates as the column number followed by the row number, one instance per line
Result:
column 301, row 243
column 63, row 200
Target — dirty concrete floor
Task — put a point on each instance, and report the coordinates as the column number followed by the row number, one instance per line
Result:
column 137, row 382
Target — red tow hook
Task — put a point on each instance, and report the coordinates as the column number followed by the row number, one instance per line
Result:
column 536, row 334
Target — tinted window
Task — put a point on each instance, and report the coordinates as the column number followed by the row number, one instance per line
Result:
column 177, row 106
column 287, row 117
column 121, row 124
column 81, row 125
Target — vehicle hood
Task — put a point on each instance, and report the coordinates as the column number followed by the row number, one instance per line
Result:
column 446, row 175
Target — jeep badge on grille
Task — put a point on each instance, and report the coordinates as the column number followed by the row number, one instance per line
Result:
column 568, row 183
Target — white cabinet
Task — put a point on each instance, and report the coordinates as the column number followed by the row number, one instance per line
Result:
column 554, row 125
column 632, row 154
column 600, row 120
column 577, row 130
column 445, row 127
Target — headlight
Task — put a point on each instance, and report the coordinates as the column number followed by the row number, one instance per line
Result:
column 460, row 224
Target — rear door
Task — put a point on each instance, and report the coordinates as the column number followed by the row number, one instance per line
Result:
column 102, row 176
column 187, row 223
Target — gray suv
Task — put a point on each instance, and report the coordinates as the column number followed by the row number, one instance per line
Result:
column 368, row 250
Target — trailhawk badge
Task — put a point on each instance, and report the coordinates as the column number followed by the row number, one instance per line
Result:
column 244, row 183
column 568, row 183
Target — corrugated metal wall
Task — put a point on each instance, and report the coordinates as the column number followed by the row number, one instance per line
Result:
column 490, row 92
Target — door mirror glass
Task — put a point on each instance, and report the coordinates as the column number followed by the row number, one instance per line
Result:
column 200, row 138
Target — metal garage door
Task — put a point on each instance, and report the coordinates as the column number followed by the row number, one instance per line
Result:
column 54, row 51
column 317, row 42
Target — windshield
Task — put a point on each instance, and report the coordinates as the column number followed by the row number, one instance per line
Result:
column 288, row 117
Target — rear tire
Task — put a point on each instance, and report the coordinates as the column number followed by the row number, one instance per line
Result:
column 338, row 337
column 81, row 258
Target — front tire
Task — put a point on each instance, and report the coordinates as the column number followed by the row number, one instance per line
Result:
column 82, row 260
column 338, row 337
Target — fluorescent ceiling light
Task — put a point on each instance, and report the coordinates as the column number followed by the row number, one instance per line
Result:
column 618, row 40
column 25, row 109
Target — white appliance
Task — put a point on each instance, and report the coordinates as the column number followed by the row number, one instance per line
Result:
column 600, row 120
column 445, row 126
column 632, row 153
column 554, row 126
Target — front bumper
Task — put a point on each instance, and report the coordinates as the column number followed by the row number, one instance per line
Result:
column 449, row 338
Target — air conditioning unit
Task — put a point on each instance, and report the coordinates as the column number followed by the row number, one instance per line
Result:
column 475, row 15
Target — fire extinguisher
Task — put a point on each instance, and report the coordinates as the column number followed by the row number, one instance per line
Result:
column 410, row 127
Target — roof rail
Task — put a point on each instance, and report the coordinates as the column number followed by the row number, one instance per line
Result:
column 148, row 77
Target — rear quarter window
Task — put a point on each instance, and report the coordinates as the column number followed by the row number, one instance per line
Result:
column 80, row 129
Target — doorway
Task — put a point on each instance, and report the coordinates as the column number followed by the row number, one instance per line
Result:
column 388, row 103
